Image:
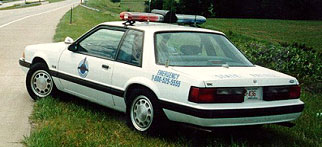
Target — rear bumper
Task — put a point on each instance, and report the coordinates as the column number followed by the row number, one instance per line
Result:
column 232, row 117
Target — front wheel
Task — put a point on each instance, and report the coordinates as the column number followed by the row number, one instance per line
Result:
column 39, row 82
column 143, row 112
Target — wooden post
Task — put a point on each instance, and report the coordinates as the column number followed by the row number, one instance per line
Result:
column 71, row 16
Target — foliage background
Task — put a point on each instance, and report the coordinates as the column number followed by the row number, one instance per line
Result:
column 272, row 9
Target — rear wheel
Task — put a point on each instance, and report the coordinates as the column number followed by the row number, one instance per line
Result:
column 39, row 82
column 143, row 111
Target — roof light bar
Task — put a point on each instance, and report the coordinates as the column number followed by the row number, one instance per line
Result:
column 138, row 16
column 162, row 16
column 169, row 16
column 190, row 19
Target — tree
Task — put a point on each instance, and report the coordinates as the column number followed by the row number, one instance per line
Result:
column 273, row 9
column 196, row 7
column 155, row 4
column 170, row 5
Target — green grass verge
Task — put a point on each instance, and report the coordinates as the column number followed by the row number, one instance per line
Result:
column 27, row 4
column 6, row 1
column 130, row 5
column 290, row 31
column 73, row 122
column 53, row 1
column 21, row 6
column 69, row 121
column 83, row 19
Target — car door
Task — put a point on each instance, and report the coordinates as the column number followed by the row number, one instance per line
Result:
column 129, row 59
column 87, row 66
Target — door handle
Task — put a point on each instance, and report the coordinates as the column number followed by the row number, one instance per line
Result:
column 105, row 66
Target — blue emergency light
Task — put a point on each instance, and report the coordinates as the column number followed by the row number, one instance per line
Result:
column 190, row 19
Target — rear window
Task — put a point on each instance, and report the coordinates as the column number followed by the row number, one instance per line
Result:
column 197, row 49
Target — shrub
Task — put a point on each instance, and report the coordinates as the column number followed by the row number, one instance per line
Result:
column 294, row 59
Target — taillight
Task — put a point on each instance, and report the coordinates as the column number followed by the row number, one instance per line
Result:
column 201, row 95
column 295, row 92
column 216, row 95
column 281, row 92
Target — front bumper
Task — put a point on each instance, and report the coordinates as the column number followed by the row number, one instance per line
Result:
column 24, row 64
column 232, row 117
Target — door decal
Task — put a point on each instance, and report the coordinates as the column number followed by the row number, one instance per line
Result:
column 83, row 68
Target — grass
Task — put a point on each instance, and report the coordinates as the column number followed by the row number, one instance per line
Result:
column 275, row 31
column 85, row 19
column 53, row 1
column 69, row 121
column 6, row 1
column 72, row 122
column 130, row 5
column 21, row 6
column 27, row 4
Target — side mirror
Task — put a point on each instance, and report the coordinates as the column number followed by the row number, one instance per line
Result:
column 72, row 47
column 68, row 40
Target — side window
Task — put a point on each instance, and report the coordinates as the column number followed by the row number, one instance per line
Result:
column 103, row 43
column 131, row 48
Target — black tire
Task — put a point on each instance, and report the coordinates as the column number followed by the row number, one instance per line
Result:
column 143, row 112
column 39, row 82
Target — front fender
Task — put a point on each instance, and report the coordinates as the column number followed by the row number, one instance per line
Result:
column 48, row 52
column 41, row 56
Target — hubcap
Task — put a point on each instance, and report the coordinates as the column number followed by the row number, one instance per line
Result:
column 41, row 83
column 141, row 113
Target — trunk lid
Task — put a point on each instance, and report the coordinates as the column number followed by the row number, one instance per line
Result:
column 255, row 76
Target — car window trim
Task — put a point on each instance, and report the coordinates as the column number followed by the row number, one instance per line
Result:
column 76, row 43
column 121, row 43
column 174, row 31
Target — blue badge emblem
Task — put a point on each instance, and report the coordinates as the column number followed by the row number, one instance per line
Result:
column 83, row 68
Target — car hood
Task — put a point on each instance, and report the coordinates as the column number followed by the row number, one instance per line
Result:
column 254, row 76
column 49, row 52
column 52, row 47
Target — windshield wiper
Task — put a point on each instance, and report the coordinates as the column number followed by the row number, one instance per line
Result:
column 167, row 63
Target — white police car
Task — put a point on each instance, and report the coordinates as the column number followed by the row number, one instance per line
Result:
column 154, row 70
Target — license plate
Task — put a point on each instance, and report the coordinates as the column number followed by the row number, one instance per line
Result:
column 254, row 93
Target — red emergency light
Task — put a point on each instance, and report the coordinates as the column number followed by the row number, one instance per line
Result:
column 162, row 16
column 138, row 16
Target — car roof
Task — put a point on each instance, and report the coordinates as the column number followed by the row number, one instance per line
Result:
column 157, row 27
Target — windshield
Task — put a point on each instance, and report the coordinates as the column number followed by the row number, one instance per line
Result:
column 197, row 49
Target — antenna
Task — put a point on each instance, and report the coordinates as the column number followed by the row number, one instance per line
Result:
column 195, row 20
column 195, row 23
column 172, row 11
column 149, row 11
column 167, row 63
column 149, row 6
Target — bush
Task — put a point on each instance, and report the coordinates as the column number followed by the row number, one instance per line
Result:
column 294, row 59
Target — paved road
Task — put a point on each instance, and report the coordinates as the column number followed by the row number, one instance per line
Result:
column 19, row 28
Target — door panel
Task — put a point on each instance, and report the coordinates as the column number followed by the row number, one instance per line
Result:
column 87, row 69
column 91, row 86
